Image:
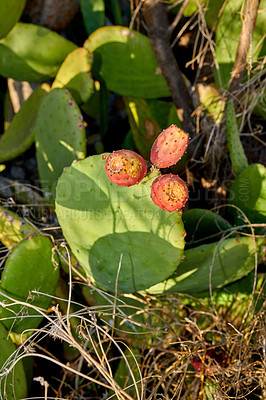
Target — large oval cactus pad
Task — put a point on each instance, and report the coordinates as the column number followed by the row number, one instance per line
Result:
column 10, row 12
column 124, row 59
column 212, row 265
column 108, row 226
column 29, row 267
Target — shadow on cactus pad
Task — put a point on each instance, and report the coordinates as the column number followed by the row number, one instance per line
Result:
column 105, row 223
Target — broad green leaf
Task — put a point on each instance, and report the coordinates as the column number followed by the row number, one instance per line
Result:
column 14, row 385
column 20, row 134
column 74, row 74
column 93, row 12
column 10, row 12
column 29, row 267
column 32, row 53
column 124, row 59
column 60, row 136
column 212, row 265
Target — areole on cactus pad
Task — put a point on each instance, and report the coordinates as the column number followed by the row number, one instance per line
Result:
column 120, row 237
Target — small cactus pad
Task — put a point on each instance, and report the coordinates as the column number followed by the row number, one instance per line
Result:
column 169, row 147
column 125, row 167
column 169, row 192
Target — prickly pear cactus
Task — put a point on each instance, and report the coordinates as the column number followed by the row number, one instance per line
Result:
column 15, row 385
column 237, row 153
column 212, row 265
column 60, row 136
column 13, row 228
column 74, row 75
column 10, row 12
column 20, row 134
column 121, row 239
column 248, row 192
column 169, row 147
column 169, row 192
column 29, row 267
column 125, row 167
column 32, row 53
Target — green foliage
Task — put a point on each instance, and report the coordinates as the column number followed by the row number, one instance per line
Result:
column 74, row 75
column 60, row 136
column 32, row 53
column 15, row 386
column 13, row 228
column 204, row 226
column 29, row 267
column 20, row 134
column 93, row 12
column 124, row 59
column 212, row 265
column 237, row 154
column 117, row 233
column 10, row 12
column 227, row 37
column 248, row 192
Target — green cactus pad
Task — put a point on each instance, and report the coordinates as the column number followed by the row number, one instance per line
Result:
column 93, row 12
column 231, row 259
column 15, row 386
column 10, row 12
column 203, row 225
column 248, row 192
column 29, row 267
column 13, row 228
column 74, row 74
column 60, row 136
column 124, row 59
column 20, row 133
column 32, row 53
column 237, row 154
column 144, row 127
column 105, row 224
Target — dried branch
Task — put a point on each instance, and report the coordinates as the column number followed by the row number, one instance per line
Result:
column 155, row 15
column 244, row 43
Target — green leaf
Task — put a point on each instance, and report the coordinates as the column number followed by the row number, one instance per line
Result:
column 15, row 386
column 10, row 12
column 248, row 192
column 108, row 225
column 74, row 74
column 203, row 225
column 32, row 53
column 228, row 260
column 29, row 267
column 144, row 127
column 20, row 134
column 60, row 136
column 13, row 228
column 124, row 59
column 93, row 12
column 237, row 154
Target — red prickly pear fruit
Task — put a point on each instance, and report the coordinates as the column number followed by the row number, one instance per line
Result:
column 169, row 147
column 125, row 167
column 169, row 192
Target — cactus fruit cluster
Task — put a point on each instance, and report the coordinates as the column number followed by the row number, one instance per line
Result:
column 127, row 168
